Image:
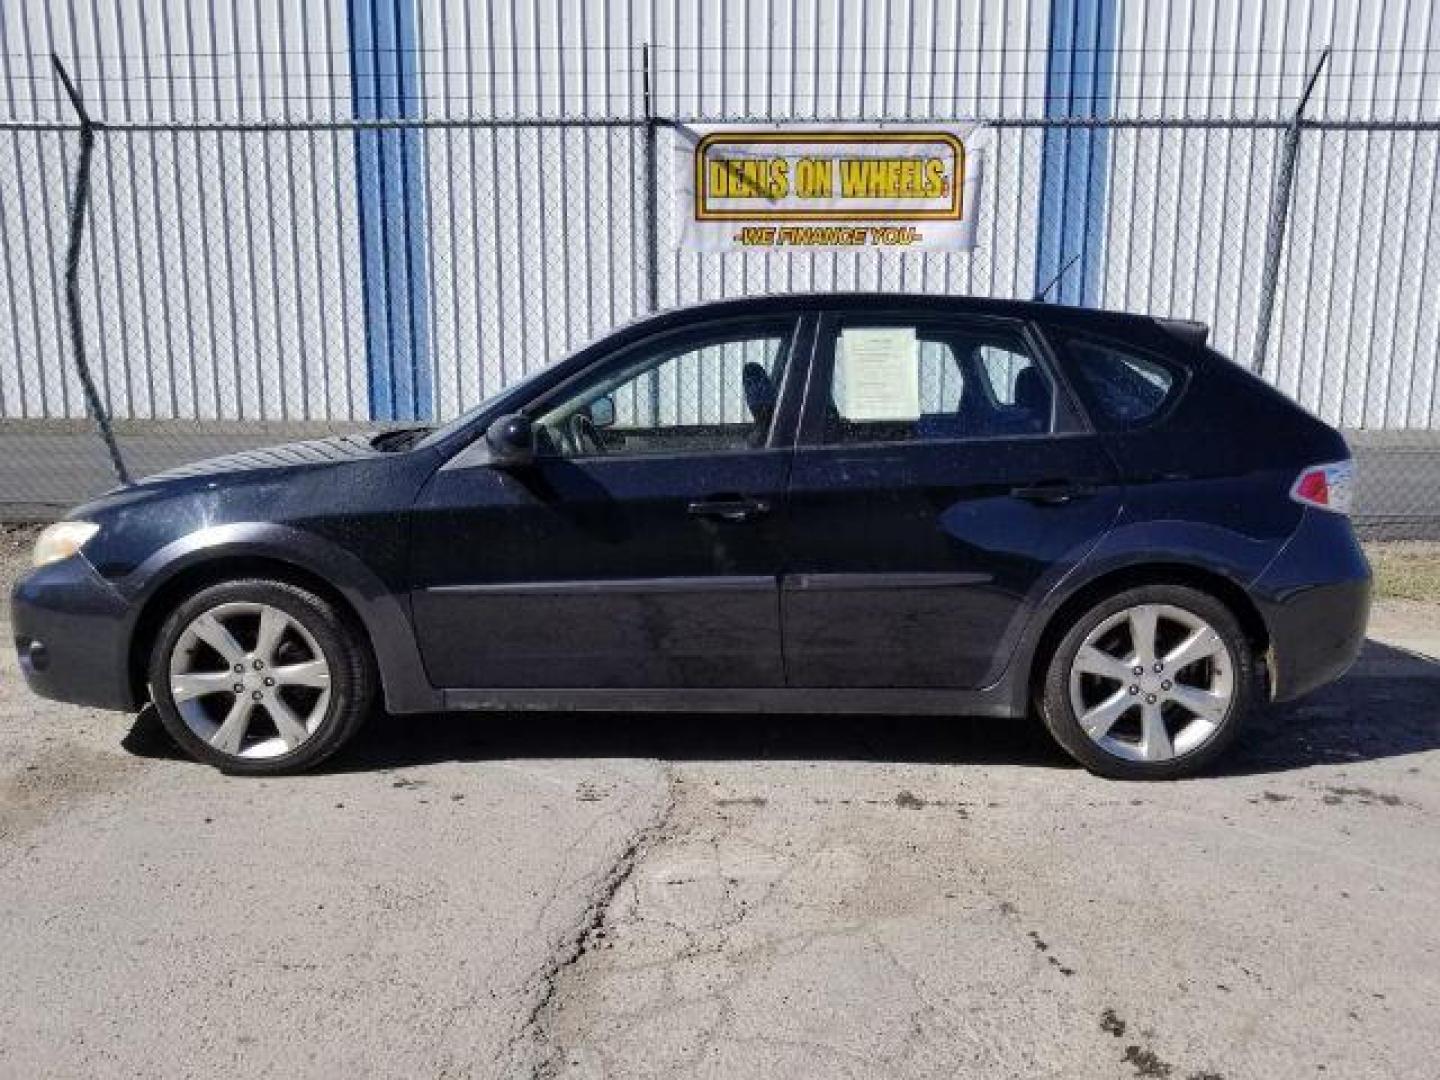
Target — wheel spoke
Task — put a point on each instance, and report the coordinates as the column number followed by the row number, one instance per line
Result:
column 253, row 680
column 312, row 673
column 1098, row 721
column 1093, row 661
column 292, row 730
column 237, row 722
column 1202, row 703
column 273, row 622
column 1142, row 633
column 212, row 631
column 1154, row 739
column 1201, row 645
column 193, row 684
column 1142, row 690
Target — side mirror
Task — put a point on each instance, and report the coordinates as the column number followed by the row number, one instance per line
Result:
column 511, row 440
column 602, row 412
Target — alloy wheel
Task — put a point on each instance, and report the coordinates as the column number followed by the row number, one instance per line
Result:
column 249, row 680
column 1152, row 682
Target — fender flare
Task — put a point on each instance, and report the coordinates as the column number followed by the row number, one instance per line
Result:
column 384, row 615
column 1199, row 546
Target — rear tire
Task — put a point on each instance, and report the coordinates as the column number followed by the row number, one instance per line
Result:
column 1152, row 683
column 259, row 677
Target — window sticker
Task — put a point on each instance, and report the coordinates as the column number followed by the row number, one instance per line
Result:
column 877, row 374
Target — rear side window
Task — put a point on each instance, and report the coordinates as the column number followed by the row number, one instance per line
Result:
column 1124, row 389
column 933, row 380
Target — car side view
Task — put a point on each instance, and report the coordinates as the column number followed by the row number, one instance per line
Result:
column 830, row 503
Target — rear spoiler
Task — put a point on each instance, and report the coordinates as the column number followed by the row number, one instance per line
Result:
column 1187, row 330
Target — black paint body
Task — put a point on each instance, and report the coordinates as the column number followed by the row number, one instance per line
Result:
column 905, row 576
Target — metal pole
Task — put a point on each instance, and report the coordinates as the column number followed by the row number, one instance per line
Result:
column 652, row 183
column 78, row 205
column 1279, row 219
column 652, row 214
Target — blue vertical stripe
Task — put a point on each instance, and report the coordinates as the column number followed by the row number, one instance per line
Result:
column 1079, row 81
column 390, row 174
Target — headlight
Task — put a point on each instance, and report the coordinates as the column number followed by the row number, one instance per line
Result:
column 61, row 540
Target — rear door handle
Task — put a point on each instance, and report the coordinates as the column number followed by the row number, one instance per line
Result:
column 729, row 508
column 1051, row 493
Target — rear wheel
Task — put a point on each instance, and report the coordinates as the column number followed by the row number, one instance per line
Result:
column 1151, row 684
column 259, row 677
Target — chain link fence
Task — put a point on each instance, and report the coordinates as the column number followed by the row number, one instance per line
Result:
column 230, row 295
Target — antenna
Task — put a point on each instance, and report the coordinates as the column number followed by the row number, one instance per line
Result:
column 1039, row 296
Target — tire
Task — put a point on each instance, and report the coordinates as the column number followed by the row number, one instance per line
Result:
column 260, row 707
column 1201, row 704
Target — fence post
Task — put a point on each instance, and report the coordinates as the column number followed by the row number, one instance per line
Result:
column 1279, row 219
column 652, row 185
column 78, row 205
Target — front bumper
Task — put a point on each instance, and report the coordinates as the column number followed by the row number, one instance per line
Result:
column 1315, row 599
column 72, row 633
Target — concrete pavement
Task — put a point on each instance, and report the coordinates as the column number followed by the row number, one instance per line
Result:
column 984, row 910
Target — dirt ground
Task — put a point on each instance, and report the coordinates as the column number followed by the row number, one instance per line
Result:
column 508, row 896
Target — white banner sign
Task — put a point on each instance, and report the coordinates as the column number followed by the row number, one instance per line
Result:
column 798, row 187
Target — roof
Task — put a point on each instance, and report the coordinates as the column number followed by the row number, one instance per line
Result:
column 1028, row 309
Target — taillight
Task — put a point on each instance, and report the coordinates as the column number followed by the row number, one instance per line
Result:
column 1329, row 487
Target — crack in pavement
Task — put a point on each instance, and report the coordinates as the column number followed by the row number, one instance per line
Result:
column 531, row 1049
column 752, row 936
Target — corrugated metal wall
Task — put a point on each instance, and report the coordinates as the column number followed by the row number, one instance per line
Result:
column 249, row 275
column 194, row 262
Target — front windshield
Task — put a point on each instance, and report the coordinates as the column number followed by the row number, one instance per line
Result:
column 444, row 431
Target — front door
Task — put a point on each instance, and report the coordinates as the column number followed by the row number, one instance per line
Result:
column 642, row 549
column 943, row 477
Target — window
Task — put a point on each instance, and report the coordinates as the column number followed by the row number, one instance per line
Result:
column 893, row 382
column 686, row 395
column 1123, row 389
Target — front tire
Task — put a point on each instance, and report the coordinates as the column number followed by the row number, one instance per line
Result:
column 1152, row 683
column 259, row 677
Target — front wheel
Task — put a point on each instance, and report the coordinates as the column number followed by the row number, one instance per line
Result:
column 260, row 677
column 1150, row 684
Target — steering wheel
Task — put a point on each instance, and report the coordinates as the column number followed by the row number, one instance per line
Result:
column 585, row 436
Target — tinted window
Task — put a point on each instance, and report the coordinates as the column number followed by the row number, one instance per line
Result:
column 896, row 382
column 1123, row 388
column 713, row 392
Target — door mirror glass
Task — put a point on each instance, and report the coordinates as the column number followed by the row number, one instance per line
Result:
column 511, row 440
column 602, row 412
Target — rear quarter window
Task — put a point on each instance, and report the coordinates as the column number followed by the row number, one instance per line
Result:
column 1122, row 387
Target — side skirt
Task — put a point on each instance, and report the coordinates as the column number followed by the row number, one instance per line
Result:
column 992, row 702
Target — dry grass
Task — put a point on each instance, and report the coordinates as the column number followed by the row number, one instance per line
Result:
column 15, row 544
column 1406, row 570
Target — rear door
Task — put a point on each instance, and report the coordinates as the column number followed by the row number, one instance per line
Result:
column 944, row 477
column 642, row 549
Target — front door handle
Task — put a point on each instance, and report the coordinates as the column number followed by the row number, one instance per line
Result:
column 1051, row 492
column 729, row 508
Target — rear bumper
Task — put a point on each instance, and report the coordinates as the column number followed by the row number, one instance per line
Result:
column 72, row 635
column 1315, row 599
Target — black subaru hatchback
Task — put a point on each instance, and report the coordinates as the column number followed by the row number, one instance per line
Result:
column 864, row 503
